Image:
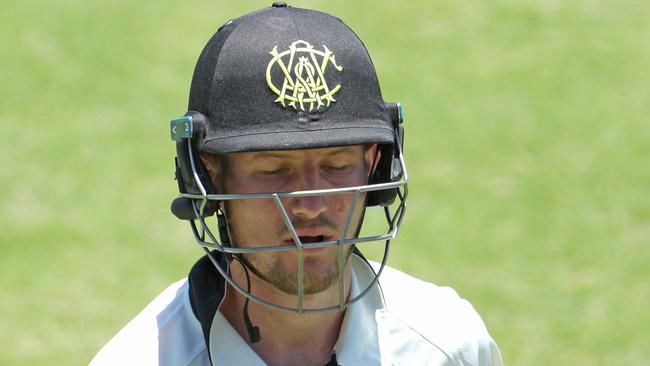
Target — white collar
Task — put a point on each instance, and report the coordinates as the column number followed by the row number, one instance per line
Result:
column 227, row 347
column 358, row 342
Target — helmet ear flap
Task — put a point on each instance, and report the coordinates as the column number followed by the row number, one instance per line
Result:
column 389, row 167
column 191, row 174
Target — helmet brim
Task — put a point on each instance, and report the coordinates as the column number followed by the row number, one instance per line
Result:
column 295, row 140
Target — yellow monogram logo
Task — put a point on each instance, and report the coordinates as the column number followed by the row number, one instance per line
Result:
column 304, row 76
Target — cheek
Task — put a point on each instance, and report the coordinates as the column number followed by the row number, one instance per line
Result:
column 254, row 213
column 342, row 203
column 341, row 206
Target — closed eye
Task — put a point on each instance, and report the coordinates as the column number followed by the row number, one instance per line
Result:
column 274, row 172
column 336, row 168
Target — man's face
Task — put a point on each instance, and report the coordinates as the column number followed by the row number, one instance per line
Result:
column 258, row 222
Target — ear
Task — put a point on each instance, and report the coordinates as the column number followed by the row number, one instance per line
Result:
column 211, row 163
column 372, row 156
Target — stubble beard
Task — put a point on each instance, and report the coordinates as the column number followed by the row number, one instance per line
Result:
column 316, row 279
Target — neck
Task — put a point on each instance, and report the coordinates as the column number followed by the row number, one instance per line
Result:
column 287, row 338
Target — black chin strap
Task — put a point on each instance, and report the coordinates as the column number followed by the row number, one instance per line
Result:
column 224, row 234
column 253, row 331
column 332, row 361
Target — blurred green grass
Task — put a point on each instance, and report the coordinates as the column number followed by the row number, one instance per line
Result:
column 527, row 147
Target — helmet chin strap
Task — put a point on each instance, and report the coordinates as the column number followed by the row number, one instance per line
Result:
column 253, row 331
column 224, row 234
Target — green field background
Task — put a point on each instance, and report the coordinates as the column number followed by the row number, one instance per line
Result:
column 528, row 147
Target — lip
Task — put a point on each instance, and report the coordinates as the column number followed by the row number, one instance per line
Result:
column 327, row 234
column 313, row 250
column 311, row 234
column 313, row 231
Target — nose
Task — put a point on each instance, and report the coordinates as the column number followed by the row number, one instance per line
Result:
column 308, row 207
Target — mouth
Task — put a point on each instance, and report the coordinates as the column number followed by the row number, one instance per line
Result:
column 311, row 239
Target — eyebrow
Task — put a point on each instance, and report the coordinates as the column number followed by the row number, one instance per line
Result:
column 269, row 155
column 340, row 150
column 287, row 154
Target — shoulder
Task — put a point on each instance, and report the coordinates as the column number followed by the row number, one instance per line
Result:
column 165, row 332
column 428, row 316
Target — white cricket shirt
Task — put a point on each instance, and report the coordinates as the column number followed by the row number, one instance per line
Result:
column 414, row 323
